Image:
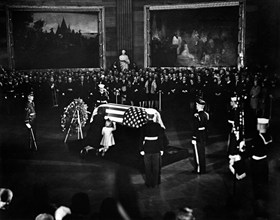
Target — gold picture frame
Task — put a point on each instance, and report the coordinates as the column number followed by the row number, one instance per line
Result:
column 75, row 42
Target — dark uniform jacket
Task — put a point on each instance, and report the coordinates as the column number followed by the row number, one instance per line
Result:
column 234, row 119
column 101, row 98
column 258, row 146
column 151, row 138
column 30, row 115
column 200, row 126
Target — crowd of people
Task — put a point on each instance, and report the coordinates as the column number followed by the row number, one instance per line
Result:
column 159, row 88
column 150, row 87
column 118, row 207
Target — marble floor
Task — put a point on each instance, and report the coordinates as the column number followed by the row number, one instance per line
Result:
column 61, row 174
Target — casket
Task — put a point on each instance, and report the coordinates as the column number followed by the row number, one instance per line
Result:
column 131, row 116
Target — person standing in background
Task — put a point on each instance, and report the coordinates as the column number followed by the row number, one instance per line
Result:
column 30, row 121
column 199, row 137
column 254, row 96
column 258, row 150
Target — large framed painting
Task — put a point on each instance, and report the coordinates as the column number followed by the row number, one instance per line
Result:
column 198, row 34
column 56, row 37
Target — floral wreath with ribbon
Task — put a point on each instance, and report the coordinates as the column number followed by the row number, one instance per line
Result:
column 75, row 115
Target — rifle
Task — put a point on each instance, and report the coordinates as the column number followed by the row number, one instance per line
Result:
column 33, row 138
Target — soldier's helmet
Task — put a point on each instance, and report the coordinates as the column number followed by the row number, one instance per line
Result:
column 200, row 101
column 263, row 124
column 31, row 93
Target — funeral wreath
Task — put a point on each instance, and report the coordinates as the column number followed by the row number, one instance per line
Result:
column 75, row 115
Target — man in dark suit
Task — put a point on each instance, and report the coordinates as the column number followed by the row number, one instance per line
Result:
column 70, row 91
column 151, row 147
column 82, row 88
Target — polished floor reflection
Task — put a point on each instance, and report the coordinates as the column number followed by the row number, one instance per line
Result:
column 59, row 173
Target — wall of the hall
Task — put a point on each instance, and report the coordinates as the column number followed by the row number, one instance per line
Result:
column 110, row 22
column 124, row 27
column 262, row 34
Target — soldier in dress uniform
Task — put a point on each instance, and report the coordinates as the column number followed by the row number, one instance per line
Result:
column 234, row 116
column 257, row 151
column 30, row 120
column 102, row 95
column 236, row 139
column 151, row 147
column 199, row 137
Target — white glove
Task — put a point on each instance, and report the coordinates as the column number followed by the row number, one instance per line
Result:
column 194, row 142
column 236, row 135
column 161, row 153
column 241, row 146
column 142, row 153
column 28, row 125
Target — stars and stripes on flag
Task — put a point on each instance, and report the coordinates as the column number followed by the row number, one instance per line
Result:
column 128, row 115
column 135, row 117
column 131, row 116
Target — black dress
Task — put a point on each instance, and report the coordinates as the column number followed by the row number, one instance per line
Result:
column 94, row 134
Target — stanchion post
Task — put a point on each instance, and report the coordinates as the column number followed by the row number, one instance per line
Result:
column 159, row 98
column 270, row 107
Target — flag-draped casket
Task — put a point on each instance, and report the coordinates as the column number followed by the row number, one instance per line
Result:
column 131, row 116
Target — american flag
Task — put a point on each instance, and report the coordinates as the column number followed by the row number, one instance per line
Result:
column 131, row 116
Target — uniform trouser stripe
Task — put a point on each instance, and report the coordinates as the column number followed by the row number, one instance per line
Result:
column 196, row 157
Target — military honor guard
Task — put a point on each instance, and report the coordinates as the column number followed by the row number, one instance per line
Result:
column 151, row 147
column 30, row 118
column 102, row 95
column 236, row 139
column 257, row 152
column 199, row 137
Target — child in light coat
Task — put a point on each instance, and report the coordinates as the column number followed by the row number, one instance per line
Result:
column 108, row 137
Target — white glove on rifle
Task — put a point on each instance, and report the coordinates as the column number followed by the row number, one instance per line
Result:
column 161, row 153
column 28, row 125
column 242, row 146
column 194, row 142
column 142, row 153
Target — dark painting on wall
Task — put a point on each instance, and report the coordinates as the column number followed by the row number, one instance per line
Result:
column 45, row 40
column 194, row 37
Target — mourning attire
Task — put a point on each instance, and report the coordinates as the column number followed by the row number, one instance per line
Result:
column 94, row 134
